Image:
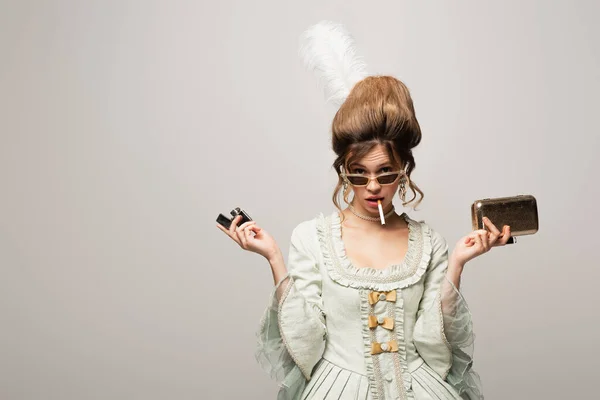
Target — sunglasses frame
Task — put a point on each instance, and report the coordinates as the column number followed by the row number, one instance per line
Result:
column 400, row 173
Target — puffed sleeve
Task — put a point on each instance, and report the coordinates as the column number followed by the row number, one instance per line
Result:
column 443, row 332
column 291, row 336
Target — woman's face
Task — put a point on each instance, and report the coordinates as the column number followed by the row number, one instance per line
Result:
column 374, row 163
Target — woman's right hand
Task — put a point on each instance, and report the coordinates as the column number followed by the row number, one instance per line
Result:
column 249, row 236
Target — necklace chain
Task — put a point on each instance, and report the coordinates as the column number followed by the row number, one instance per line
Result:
column 366, row 217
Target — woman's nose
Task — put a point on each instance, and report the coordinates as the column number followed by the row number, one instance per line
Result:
column 373, row 185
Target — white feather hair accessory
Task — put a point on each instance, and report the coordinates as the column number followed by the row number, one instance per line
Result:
column 328, row 50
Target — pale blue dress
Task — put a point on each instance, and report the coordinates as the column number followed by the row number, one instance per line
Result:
column 334, row 331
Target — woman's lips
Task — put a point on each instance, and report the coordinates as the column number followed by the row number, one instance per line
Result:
column 373, row 202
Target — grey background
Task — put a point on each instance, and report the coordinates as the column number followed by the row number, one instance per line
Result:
column 127, row 126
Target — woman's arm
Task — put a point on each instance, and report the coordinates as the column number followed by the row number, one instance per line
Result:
column 291, row 338
column 454, row 272
column 443, row 332
column 279, row 272
column 277, row 267
column 292, row 332
column 448, row 293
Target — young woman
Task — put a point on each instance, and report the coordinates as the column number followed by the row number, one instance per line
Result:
column 365, row 310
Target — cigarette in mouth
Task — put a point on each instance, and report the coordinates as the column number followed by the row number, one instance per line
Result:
column 381, row 212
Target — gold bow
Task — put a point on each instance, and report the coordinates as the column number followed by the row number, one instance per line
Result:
column 391, row 346
column 389, row 296
column 387, row 323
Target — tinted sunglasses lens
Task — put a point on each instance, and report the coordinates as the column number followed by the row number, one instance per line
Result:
column 387, row 179
column 358, row 180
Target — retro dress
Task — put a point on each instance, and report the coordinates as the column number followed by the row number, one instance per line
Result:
column 335, row 331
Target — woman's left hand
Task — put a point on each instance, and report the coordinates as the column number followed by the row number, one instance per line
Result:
column 479, row 242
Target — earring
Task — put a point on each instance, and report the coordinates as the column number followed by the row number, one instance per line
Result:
column 346, row 192
column 402, row 191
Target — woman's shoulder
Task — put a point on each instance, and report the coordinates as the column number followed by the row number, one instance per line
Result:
column 436, row 238
column 309, row 226
column 308, row 233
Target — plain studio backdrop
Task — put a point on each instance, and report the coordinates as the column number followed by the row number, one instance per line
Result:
column 127, row 126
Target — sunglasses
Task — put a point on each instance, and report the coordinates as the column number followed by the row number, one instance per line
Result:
column 386, row 178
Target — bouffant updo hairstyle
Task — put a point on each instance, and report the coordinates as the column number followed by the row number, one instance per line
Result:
column 378, row 110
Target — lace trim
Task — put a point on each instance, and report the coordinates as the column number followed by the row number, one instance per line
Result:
column 284, row 296
column 444, row 338
column 372, row 363
column 403, row 378
column 272, row 357
column 396, row 276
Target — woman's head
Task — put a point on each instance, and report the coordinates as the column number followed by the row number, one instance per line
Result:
column 373, row 132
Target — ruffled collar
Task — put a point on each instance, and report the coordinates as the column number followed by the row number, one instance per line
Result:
column 396, row 276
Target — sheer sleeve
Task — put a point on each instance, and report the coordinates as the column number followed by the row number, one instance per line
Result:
column 291, row 336
column 443, row 332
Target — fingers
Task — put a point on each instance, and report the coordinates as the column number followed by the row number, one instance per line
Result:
column 485, row 240
column 222, row 228
column 244, row 233
column 500, row 238
column 254, row 228
column 232, row 228
column 490, row 225
column 234, row 223
column 494, row 232
column 470, row 240
column 246, row 224
column 248, row 235
column 481, row 238
column 506, row 235
column 234, row 231
column 240, row 235
column 228, row 233
column 477, row 240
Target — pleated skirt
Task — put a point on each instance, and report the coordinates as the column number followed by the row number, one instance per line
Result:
column 331, row 382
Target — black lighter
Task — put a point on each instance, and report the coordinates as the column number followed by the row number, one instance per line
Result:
column 226, row 221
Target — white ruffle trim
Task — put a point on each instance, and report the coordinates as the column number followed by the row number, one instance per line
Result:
column 396, row 276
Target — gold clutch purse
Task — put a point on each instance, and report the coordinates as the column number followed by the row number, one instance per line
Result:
column 519, row 212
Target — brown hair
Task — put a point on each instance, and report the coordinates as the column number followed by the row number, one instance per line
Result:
column 378, row 110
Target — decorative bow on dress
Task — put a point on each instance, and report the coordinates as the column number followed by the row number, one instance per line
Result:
column 384, row 322
column 374, row 297
column 377, row 348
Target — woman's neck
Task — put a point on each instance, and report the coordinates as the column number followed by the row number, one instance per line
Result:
column 356, row 222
